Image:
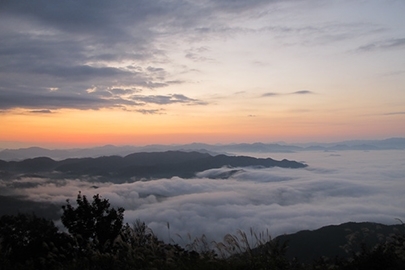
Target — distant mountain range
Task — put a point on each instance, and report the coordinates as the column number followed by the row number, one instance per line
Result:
column 108, row 150
column 145, row 165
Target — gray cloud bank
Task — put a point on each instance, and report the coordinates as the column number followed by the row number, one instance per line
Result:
column 336, row 187
column 53, row 52
column 73, row 46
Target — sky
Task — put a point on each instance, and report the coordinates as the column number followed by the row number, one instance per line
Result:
column 86, row 73
column 335, row 188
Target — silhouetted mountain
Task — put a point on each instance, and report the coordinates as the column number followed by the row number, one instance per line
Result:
column 141, row 165
column 59, row 154
column 109, row 150
column 31, row 152
column 337, row 240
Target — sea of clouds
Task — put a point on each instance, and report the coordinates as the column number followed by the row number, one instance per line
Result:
column 336, row 187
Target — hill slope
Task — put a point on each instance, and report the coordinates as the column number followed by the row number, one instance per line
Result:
column 337, row 240
column 140, row 165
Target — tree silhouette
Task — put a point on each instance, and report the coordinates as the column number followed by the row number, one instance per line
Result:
column 30, row 240
column 94, row 223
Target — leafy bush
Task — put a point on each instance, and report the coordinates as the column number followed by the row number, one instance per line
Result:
column 93, row 223
column 28, row 241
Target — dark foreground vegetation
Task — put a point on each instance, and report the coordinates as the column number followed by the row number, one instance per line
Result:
column 96, row 238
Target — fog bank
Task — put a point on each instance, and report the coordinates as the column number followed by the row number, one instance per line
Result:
column 336, row 187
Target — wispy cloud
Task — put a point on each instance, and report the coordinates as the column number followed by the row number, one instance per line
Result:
column 270, row 94
column 394, row 113
column 321, row 34
column 167, row 99
column 388, row 44
column 197, row 54
column 151, row 111
column 41, row 111
column 300, row 92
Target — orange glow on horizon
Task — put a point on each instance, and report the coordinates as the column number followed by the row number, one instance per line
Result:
column 74, row 128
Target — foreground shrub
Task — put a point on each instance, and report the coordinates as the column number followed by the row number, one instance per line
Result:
column 29, row 242
column 94, row 223
column 99, row 240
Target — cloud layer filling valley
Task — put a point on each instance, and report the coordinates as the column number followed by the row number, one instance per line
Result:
column 335, row 188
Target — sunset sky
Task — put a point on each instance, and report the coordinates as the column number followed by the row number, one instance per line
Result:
column 87, row 73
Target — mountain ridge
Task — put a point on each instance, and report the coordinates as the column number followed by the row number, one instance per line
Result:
column 213, row 149
column 145, row 165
